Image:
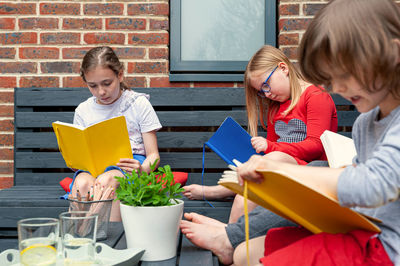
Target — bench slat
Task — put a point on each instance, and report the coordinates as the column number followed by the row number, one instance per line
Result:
column 167, row 118
column 193, row 255
column 174, row 159
column 158, row 97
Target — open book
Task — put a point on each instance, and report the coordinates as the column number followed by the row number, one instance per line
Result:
column 96, row 147
column 339, row 149
column 294, row 201
column 231, row 141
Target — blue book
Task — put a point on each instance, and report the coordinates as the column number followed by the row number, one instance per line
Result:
column 231, row 141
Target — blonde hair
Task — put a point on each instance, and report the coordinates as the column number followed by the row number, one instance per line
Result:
column 265, row 60
column 355, row 37
column 103, row 56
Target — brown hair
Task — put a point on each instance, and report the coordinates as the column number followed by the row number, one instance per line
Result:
column 264, row 60
column 102, row 56
column 356, row 37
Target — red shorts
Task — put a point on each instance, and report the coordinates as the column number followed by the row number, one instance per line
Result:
column 298, row 246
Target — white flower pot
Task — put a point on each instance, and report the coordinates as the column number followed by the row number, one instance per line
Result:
column 154, row 229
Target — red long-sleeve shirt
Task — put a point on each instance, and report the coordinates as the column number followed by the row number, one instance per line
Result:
column 297, row 133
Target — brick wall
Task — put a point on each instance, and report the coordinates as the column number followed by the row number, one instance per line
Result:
column 42, row 43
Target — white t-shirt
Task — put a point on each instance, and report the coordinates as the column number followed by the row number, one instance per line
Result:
column 138, row 111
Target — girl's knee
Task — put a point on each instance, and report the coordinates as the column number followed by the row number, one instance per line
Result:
column 83, row 182
column 280, row 156
column 108, row 178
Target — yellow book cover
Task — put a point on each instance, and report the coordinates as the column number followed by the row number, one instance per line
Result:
column 294, row 201
column 96, row 147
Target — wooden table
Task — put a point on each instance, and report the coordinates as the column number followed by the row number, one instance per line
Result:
column 187, row 253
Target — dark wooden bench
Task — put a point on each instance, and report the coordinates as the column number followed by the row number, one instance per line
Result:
column 189, row 117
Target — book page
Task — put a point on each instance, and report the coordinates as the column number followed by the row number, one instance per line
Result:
column 340, row 150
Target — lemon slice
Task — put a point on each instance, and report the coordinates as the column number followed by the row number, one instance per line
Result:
column 38, row 254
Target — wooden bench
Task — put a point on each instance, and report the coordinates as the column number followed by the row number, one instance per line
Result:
column 189, row 117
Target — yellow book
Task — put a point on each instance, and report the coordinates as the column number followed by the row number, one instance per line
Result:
column 96, row 147
column 294, row 201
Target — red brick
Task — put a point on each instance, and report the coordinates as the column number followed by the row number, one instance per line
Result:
column 290, row 52
column 75, row 53
column 6, row 168
column 41, row 81
column 60, row 38
column 158, row 53
column 6, row 97
column 148, row 38
column 6, row 140
column 135, row 82
column 7, row 110
column 7, row 125
column 294, row 24
column 7, row 23
column 18, row 67
column 125, row 24
column 39, row 53
column 159, row 9
column 213, row 84
column 38, row 23
column 60, row 67
column 148, row 67
column 8, row 153
column 6, row 182
column 289, row 9
column 104, row 38
column 103, row 9
column 8, row 82
column 312, row 9
column 7, row 53
column 82, row 23
column 17, row 9
column 159, row 24
column 130, row 52
column 164, row 82
column 289, row 39
column 18, row 38
column 73, row 82
column 59, row 9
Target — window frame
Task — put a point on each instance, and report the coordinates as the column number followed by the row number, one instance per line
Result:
column 231, row 71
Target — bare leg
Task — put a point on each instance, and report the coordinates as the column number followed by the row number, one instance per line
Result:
column 82, row 182
column 105, row 180
column 256, row 251
column 196, row 192
column 209, row 235
column 237, row 209
column 238, row 204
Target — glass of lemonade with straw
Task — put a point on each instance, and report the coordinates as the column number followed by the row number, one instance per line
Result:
column 37, row 241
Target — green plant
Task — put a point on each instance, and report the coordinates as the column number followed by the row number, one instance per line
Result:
column 156, row 188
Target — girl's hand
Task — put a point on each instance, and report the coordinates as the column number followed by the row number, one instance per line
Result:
column 260, row 144
column 248, row 169
column 129, row 164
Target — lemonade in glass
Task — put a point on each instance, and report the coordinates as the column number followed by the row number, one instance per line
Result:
column 37, row 238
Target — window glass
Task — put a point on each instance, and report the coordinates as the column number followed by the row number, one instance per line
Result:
column 228, row 30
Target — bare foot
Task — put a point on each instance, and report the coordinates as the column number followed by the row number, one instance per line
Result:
column 198, row 192
column 195, row 192
column 201, row 219
column 209, row 237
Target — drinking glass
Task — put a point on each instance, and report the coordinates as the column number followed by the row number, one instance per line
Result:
column 37, row 241
column 78, row 237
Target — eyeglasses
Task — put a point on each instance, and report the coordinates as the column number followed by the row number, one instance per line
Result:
column 265, row 88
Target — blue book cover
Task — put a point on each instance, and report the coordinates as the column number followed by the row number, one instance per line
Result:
column 231, row 141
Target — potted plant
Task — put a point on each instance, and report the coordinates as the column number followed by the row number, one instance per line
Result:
column 151, row 211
